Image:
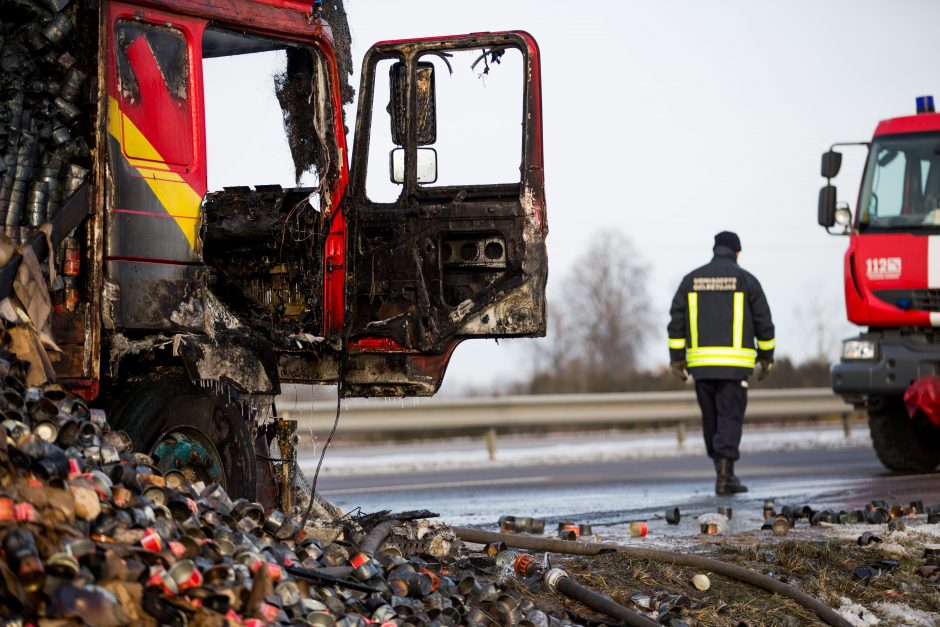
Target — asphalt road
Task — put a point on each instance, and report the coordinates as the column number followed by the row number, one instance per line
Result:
column 610, row 494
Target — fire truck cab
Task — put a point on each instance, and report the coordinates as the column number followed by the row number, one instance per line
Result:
column 892, row 287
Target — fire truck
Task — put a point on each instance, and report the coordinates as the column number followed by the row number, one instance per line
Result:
column 892, row 287
column 182, row 305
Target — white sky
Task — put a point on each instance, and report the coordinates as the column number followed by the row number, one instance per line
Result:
column 671, row 121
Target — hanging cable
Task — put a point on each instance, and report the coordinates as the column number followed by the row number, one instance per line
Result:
column 326, row 445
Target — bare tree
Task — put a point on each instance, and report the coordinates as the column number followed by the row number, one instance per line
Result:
column 599, row 326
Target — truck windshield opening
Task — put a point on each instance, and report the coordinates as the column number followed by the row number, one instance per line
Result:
column 901, row 188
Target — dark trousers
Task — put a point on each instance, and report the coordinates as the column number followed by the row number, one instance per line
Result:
column 723, row 403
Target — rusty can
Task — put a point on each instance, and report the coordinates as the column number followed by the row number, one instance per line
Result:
column 895, row 512
column 47, row 430
column 878, row 515
column 781, row 525
column 152, row 541
column 70, row 294
column 434, row 577
column 7, row 509
column 24, row 512
column 710, row 529
column 638, row 529
column 507, row 524
column 62, row 565
column 22, row 553
column 72, row 264
column 567, row 528
column 185, row 574
column 533, row 525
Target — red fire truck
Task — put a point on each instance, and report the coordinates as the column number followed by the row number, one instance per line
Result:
column 186, row 292
column 892, row 287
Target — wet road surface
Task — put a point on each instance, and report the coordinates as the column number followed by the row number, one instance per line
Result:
column 609, row 494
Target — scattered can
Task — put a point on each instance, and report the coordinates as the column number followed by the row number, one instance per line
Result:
column 638, row 529
column 701, row 582
column 673, row 516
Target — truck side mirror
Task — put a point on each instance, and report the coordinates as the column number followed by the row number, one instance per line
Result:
column 827, row 206
column 427, row 166
column 831, row 163
column 426, row 103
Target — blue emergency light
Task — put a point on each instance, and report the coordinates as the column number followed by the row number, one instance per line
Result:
column 925, row 104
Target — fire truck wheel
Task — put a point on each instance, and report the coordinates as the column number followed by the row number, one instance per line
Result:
column 903, row 444
column 189, row 429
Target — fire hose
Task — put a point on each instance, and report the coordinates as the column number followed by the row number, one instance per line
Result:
column 823, row 611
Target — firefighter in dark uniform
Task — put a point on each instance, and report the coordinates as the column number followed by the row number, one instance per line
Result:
column 718, row 312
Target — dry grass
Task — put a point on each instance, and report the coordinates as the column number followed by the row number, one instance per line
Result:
column 818, row 566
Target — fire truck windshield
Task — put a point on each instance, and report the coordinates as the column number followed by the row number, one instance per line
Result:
column 901, row 189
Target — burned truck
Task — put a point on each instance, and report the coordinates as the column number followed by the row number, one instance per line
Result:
column 181, row 305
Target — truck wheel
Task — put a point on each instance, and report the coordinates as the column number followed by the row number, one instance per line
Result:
column 192, row 430
column 901, row 443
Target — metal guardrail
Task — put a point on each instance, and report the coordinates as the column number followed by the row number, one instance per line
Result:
column 441, row 414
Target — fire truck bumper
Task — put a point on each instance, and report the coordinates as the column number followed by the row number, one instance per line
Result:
column 884, row 363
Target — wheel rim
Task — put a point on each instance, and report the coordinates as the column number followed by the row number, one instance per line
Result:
column 190, row 452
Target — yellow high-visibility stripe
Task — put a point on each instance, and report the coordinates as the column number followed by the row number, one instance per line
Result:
column 693, row 318
column 721, row 361
column 677, row 344
column 766, row 345
column 179, row 199
column 721, row 356
column 723, row 351
column 737, row 326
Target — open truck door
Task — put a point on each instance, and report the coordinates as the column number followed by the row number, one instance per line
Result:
column 445, row 207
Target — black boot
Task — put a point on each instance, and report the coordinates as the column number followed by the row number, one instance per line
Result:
column 727, row 483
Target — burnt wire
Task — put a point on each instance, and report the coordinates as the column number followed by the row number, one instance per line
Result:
column 326, row 445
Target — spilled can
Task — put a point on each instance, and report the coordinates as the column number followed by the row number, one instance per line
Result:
column 638, row 529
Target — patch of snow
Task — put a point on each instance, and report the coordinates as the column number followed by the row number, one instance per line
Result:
column 527, row 450
column 907, row 542
column 901, row 614
column 857, row 614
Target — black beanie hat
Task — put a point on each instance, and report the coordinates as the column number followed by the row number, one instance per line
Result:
column 728, row 240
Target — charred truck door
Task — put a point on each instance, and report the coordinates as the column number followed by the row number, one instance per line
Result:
column 446, row 207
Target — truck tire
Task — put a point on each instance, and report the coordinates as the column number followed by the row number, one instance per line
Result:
column 903, row 444
column 190, row 429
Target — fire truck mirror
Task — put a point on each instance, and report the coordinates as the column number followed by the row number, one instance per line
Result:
column 831, row 163
column 827, row 206
column 426, row 114
column 427, row 165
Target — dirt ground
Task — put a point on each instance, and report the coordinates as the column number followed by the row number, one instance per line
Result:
column 815, row 560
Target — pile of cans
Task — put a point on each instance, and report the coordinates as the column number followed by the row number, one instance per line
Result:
column 876, row 513
column 43, row 93
column 91, row 531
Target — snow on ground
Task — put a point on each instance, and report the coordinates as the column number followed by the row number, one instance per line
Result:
column 900, row 614
column 561, row 448
column 858, row 615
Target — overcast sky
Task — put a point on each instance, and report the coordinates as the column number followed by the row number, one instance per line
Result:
column 671, row 121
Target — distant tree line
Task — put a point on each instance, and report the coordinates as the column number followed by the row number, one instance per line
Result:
column 603, row 321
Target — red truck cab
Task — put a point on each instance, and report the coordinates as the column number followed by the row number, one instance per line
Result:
column 892, row 284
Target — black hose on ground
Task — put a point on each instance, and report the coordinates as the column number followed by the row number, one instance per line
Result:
column 559, row 581
column 823, row 611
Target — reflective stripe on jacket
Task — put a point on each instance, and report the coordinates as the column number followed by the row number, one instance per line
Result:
column 718, row 312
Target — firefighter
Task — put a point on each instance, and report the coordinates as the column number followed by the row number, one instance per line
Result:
column 718, row 312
